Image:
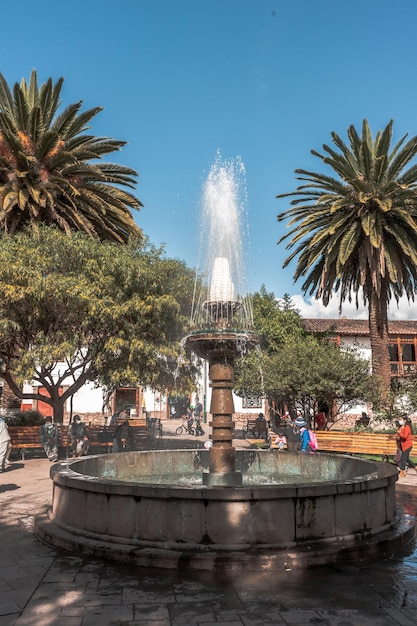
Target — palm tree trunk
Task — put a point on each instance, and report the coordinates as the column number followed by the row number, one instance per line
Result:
column 378, row 332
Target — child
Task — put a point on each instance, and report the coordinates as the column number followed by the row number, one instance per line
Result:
column 281, row 441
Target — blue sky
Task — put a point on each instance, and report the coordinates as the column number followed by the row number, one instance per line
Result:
column 265, row 80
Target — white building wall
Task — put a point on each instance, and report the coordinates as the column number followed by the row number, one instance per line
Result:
column 89, row 399
column 363, row 345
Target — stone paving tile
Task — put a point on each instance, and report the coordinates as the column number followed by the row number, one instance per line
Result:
column 261, row 620
column 107, row 615
column 20, row 597
column 138, row 596
column 151, row 613
column 191, row 613
column 8, row 607
column 6, row 620
column 224, row 623
column 157, row 622
column 48, row 620
column 227, row 615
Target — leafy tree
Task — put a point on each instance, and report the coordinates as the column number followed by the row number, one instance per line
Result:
column 51, row 169
column 357, row 231
column 297, row 369
column 74, row 310
column 275, row 320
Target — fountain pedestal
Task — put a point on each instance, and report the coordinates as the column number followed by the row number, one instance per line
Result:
column 222, row 467
column 220, row 348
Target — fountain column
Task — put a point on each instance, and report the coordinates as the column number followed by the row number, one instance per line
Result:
column 220, row 348
column 222, row 469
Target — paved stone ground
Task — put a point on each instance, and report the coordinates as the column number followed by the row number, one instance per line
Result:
column 41, row 587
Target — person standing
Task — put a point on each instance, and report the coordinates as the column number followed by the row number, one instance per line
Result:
column 320, row 418
column 5, row 445
column 48, row 436
column 405, row 439
column 293, row 436
column 198, row 410
column 190, row 418
column 304, row 435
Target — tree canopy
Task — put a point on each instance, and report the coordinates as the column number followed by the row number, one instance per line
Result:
column 296, row 369
column 51, row 168
column 74, row 310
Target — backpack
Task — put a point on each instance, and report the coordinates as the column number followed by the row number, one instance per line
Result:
column 313, row 440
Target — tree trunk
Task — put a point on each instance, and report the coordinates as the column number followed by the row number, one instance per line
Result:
column 58, row 408
column 9, row 400
column 378, row 332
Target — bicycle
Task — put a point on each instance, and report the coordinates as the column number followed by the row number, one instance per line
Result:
column 185, row 426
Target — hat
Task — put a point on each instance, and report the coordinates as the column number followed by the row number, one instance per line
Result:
column 300, row 422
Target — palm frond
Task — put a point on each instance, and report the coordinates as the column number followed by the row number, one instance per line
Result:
column 6, row 98
column 21, row 109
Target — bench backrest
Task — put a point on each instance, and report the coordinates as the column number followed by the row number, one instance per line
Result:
column 365, row 443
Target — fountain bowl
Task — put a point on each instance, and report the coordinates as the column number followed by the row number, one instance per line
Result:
column 215, row 343
column 151, row 509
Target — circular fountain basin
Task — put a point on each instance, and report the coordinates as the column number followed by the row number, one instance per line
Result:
column 293, row 510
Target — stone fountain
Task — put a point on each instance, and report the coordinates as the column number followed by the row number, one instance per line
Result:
column 224, row 509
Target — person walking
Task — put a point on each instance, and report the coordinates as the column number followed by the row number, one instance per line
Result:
column 405, row 440
column 5, row 445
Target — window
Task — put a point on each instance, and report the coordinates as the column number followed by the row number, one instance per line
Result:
column 393, row 352
column 252, row 402
column 408, row 352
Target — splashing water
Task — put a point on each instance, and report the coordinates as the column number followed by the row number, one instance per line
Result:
column 223, row 300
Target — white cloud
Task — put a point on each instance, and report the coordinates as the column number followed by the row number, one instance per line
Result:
column 311, row 308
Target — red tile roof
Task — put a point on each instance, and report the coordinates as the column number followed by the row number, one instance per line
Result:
column 344, row 326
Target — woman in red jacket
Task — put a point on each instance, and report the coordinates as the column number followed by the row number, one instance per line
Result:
column 405, row 439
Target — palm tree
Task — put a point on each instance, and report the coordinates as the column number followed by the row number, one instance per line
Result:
column 357, row 232
column 51, row 169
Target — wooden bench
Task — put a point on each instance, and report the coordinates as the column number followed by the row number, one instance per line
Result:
column 141, row 431
column 100, row 437
column 27, row 438
column 384, row 444
column 258, row 428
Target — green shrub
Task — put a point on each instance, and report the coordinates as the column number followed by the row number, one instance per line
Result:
column 25, row 418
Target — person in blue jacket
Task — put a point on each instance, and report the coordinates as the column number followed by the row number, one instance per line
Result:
column 304, row 435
